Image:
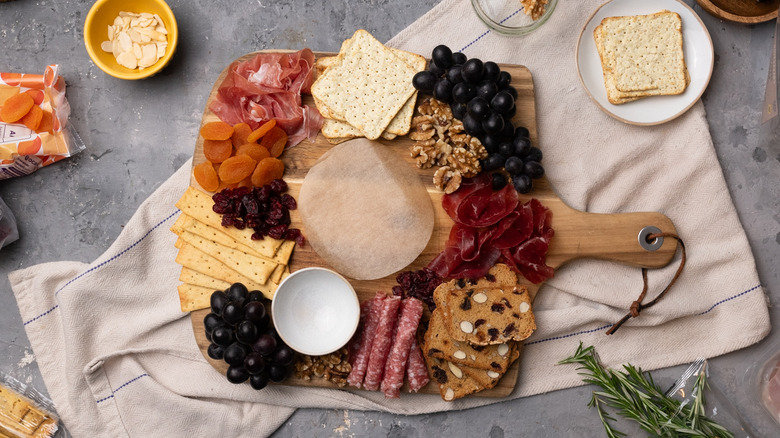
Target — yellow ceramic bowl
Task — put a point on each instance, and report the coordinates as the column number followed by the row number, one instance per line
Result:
column 102, row 15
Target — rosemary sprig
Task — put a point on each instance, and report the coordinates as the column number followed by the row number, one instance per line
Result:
column 635, row 396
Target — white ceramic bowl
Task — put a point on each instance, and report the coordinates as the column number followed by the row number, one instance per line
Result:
column 315, row 311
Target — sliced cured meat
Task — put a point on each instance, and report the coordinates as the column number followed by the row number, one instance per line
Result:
column 408, row 320
column 357, row 339
column 520, row 238
column 416, row 371
column 515, row 228
column 383, row 340
column 529, row 257
column 542, row 217
column 269, row 86
column 364, row 342
column 478, row 205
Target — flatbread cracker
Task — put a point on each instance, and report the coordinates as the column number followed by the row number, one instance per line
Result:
column 196, row 260
column 188, row 223
column 194, row 297
column 191, row 276
column 367, row 86
column 254, row 268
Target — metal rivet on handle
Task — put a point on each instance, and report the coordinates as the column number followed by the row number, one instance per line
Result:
column 650, row 245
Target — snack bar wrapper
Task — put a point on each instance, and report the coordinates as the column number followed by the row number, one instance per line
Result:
column 25, row 149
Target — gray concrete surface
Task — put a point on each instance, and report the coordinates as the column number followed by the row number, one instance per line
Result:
column 76, row 208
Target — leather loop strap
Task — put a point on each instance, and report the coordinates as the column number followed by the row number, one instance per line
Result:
column 637, row 306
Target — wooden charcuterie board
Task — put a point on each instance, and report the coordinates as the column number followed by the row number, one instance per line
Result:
column 577, row 234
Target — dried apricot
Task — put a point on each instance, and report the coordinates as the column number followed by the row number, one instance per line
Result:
column 240, row 133
column 234, row 169
column 33, row 118
column 206, row 176
column 254, row 150
column 267, row 170
column 246, row 182
column 261, row 131
column 275, row 141
column 216, row 131
column 46, row 124
column 15, row 107
column 37, row 95
column 217, row 151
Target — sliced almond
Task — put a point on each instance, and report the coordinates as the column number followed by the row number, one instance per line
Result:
column 479, row 298
column 503, row 349
column 127, row 60
column 459, row 354
column 466, row 326
column 107, row 46
column 149, row 56
column 524, row 307
column 161, row 49
column 493, row 375
column 125, row 43
column 449, row 394
column 457, row 372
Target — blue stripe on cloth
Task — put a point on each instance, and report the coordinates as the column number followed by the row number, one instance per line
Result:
column 120, row 387
column 96, row 267
column 597, row 329
column 488, row 31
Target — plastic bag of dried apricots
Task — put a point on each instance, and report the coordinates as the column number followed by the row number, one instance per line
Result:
column 34, row 130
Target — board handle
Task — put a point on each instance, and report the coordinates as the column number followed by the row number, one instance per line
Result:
column 615, row 237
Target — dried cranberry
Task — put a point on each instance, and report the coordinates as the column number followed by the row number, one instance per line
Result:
column 419, row 284
column 289, row 202
column 278, row 186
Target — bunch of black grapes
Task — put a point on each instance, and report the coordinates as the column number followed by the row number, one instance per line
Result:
column 480, row 94
column 241, row 333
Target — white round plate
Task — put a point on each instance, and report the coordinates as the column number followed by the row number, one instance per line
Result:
column 697, row 48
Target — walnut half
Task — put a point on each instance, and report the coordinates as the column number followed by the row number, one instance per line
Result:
column 447, row 179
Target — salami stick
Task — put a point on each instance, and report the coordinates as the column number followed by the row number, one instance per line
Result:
column 364, row 341
column 409, row 319
column 416, row 371
column 383, row 340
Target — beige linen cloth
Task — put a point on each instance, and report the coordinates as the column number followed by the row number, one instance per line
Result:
column 119, row 358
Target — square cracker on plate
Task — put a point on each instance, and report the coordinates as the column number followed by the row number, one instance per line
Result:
column 642, row 56
column 367, row 86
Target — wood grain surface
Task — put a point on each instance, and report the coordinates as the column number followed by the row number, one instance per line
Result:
column 577, row 234
column 742, row 11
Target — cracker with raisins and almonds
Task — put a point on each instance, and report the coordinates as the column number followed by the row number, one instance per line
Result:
column 487, row 312
column 438, row 343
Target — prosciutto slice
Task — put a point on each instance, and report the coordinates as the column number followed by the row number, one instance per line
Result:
column 269, row 86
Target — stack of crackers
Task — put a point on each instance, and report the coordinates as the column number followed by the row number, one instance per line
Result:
column 641, row 56
column 213, row 257
column 366, row 90
column 473, row 334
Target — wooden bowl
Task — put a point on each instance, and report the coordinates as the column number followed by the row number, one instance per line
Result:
column 742, row 11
